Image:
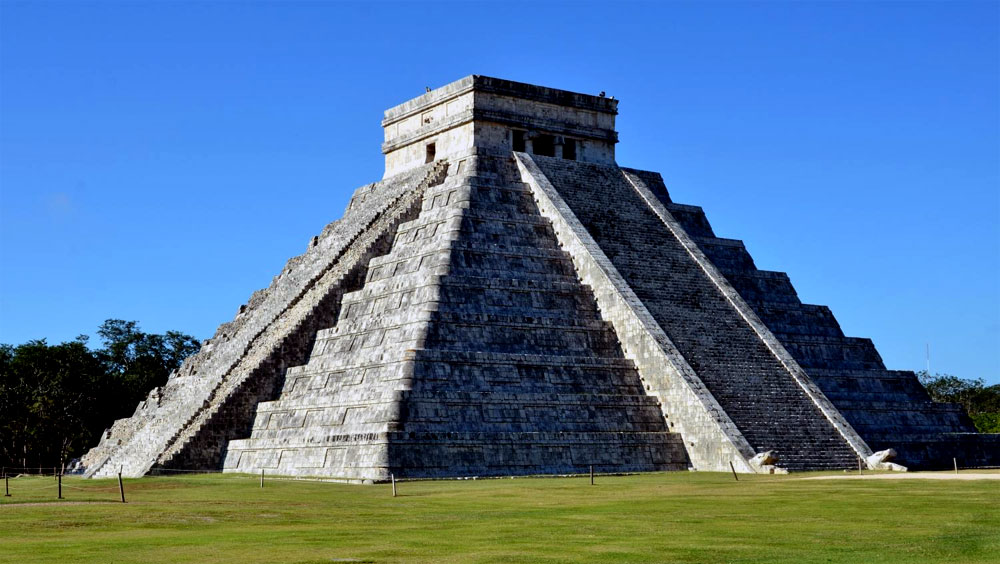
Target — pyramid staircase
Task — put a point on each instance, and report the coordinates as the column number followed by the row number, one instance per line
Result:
column 471, row 349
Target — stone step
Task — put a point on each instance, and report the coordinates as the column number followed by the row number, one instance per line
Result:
column 728, row 255
column 314, row 417
column 473, row 378
column 397, row 324
column 517, row 282
column 521, row 334
column 824, row 352
column 440, row 274
column 870, row 384
column 511, row 252
column 692, row 218
column 481, row 371
column 764, row 287
column 477, row 217
column 799, row 319
column 872, row 397
column 439, row 252
column 485, row 398
column 512, row 240
column 485, row 357
column 430, row 455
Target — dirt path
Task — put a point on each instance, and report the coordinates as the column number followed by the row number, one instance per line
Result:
column 912, row 476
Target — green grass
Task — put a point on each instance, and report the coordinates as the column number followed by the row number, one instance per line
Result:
column 675, row 517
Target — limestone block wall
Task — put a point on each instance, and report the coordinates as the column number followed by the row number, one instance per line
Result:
column 448, row 143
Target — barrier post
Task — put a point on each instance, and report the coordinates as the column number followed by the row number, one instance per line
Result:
column 121, row 486
column 954, row 461
column 393, row 478
column 733, row 468
column 261, row 478
column 59, row 480
column 592, row 474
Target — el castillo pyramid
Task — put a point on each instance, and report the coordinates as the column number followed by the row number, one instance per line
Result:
column 507, row 300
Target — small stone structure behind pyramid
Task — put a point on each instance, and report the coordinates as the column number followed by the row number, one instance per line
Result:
column 508, row 300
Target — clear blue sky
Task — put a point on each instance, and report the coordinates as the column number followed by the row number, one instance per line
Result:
column 161, row 161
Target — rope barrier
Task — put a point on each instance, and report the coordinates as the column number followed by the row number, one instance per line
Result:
column 100, row 489
column 28, row 479
column 168, row 470
column 21, row 487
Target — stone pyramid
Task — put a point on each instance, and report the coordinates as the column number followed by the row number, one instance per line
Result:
column 507, row 300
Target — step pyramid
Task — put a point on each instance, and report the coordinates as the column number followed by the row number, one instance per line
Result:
column 510, row 301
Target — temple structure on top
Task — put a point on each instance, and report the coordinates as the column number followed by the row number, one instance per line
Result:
column 479, row 115
column 508, row 300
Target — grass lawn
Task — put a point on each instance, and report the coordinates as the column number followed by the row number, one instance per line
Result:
column 673, row 517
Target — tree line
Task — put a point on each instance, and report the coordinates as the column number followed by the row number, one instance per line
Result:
column 982, row 402
column 56, row 400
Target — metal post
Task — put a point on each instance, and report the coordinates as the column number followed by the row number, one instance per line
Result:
column 393, row 478
column 59, row 479
column 262, row 478
column 860, row 471
column 954, row 461
column 121, row 487
column 733, row 468
column 592, row 474
column 6, row 484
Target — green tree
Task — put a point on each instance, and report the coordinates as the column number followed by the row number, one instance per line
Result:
column 137, row 362
column 48, row 393
column 57, row 399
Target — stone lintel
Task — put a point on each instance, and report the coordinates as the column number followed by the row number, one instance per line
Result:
column 501, row 87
